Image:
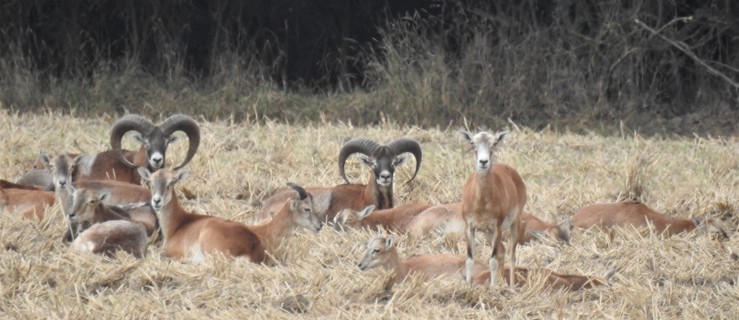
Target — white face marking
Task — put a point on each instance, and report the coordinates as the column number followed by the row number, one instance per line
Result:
column 385, row 179
column 156, row 202
column 155, row 160
column 483, row 155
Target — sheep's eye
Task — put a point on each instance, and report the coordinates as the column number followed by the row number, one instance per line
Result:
column 376, row 251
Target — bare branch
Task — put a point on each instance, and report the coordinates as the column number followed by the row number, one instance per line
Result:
column 685, row 50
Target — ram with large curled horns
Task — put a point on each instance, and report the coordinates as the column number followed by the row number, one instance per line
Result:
column 119, row 164
column 382, row 159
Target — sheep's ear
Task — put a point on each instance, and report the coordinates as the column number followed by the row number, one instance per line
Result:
column 465, row 135
column 104, row 196
column 77, row 160
column 499, row 137
column 173, row 138
column 138, row 137
column 368, row 161
column 399, row 160
column 45, row 158
column 565, row 230
column 538, row 234
column 389, row 242
column 697, row 222
column 294, row 205
column 144, row 173
column 366, row 211
column 338, row 216
column 178, row 177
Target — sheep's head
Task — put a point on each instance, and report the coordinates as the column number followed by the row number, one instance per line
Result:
column 710, row 226
column 484, row 143
column 348, row 218
column 558, row 233
column 156, row 139
column 161, row 183
column 378, row 253
column 382, row 159
column 62, row 167
column 303, row 210
column 84, row 202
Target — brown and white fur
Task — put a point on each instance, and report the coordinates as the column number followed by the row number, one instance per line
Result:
column 30, row 204
column 493, row 198
column 111, row 228
column 447, row 218
column 394, row 219
column 193, row 236
column 381, row 252
column 107, row 237
column 634, row 213
column 381, row 159
column 135, row 197
column 121, row 165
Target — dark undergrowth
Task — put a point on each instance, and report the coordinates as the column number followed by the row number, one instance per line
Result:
column 575, row 65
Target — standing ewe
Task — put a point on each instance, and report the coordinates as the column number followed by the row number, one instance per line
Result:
column 492, row 201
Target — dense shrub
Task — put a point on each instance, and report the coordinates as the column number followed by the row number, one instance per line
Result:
column 577, row 63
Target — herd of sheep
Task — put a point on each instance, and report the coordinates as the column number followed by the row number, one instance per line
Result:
column 122, row 199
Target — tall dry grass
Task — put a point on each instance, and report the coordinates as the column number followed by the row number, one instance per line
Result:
column 240, row 163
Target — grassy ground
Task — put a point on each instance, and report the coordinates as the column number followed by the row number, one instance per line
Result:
column 239, row 164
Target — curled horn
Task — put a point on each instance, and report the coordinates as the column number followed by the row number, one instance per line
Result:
column 301, row 192
column 130, row 122
column 408, row 145
column 361, row 145
column 189, row 127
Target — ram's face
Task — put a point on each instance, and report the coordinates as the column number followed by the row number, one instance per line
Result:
column 156, row 144
column 383, row 166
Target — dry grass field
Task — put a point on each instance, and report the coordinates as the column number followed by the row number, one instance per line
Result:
column 688, row 276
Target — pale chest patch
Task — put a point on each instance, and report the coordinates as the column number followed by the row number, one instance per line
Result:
column 196, row 254
column 82, row 245
column 454, row 226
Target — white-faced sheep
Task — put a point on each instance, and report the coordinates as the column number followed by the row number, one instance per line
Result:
column 493, row 198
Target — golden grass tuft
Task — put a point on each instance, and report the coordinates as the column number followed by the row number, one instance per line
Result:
column 315, row 275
